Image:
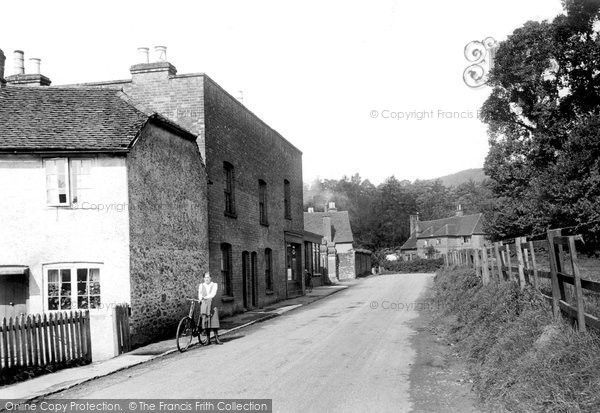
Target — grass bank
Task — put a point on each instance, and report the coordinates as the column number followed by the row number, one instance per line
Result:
column 518, row 355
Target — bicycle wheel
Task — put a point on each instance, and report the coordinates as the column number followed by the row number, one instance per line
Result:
column 185, row 333
column 202, row 337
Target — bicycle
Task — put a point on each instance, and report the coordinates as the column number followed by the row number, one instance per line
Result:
column 308, row 282
column 188, row 328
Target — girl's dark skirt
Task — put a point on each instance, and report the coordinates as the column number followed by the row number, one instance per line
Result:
column 209, row 314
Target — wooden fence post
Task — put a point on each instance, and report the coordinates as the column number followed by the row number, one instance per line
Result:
column 556, row 294
column 477, row 262
column 498, row 261
column 491, row 262
column 521, row 266
column 578, row 293
column 527, row 264
column 509, row 262
column 88, row 335
column 534, row 265
column 485, row 268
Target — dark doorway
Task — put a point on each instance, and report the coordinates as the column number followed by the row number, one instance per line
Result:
column 254, row 278
column 14, row 290
column 294, row 269
column 245, row 277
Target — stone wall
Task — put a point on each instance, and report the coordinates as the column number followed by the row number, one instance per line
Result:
column 346, row 270
column 168, row 230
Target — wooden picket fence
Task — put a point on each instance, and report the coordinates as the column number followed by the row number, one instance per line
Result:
column 123, row 331
column 494, row 262
column 54, row 339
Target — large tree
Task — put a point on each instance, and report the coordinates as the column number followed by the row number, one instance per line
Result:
column 543, row 116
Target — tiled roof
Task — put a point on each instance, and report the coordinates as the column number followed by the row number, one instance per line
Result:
column 410, row 244
column 455, row 226
column 340, row 223
column 67, row 119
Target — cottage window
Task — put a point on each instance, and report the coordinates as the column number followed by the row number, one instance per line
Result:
column 287, row 205
column 229, row 189
column 467, row 239
column 68, row 181
column 262, row 202
column 73, row 287
column 226, row 270
column 80, row 179
column 57, row 181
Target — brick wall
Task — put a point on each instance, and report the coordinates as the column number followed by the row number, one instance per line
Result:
column 234, row 135
column 168, row 230
column 230, row 132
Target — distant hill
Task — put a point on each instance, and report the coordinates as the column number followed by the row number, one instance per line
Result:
column 475, row 174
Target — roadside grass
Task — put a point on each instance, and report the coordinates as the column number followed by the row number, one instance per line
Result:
column 519, row 356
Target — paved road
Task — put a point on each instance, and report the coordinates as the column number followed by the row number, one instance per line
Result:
column 336, row 355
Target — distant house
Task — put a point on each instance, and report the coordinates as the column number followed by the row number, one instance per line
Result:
column 429, row 239
column 343, row 260
column 105, row 204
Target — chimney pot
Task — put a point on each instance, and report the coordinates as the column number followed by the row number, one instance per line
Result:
column 161, row 53
column 19, row 57
column 2, row 61
column 311, row 210
column 459, row 211
column 331, row 206
column 143, row 54
column 35, row 65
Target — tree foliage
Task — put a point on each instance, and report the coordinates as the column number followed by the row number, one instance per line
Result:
column 543, row 116
column 380, row 215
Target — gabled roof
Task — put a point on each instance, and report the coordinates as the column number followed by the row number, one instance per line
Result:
column 456, row 226
column 410, row 244
column 68, row 119
column 341, row 231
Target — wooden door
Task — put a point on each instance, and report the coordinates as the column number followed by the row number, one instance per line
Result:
column 14, row 290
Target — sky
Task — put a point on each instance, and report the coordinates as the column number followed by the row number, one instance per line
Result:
column 327, row 75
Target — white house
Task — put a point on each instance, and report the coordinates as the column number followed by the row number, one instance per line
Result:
column 102, row 204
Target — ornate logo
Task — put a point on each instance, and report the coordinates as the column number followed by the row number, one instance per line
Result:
column 481, row 56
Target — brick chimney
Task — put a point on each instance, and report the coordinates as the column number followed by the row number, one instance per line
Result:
column 327, row 229
column 160, row 69
column 414, row 223
column 2, row 62
column 20, row 78
column 459, row 211
column 331, row 207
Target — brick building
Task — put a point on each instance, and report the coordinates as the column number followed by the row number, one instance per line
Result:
column 256, row 226
column 343, row 260
column 107, row 205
